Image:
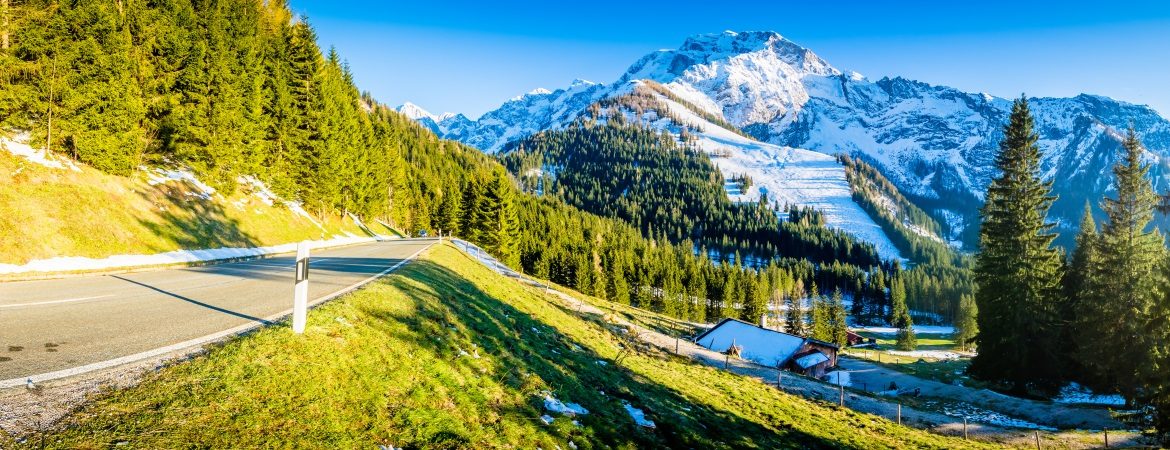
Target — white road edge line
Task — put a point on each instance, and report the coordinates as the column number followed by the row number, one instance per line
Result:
column 50, row 302
column 5, row 384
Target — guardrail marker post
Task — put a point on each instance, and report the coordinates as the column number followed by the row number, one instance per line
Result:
column 842, row 388
column 964, row 428
column 301, row 289
column 899, row 414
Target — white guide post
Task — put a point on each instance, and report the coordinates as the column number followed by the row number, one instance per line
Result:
column 301, row 289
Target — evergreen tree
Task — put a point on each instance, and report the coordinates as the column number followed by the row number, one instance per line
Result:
column 838, row 320
column 498, row 231
column 1017, row 269
column 794, row 316
column 1126, row 280
column 1079, row 297
column 449, row 213
column 471, row 221
column 900, row 316
column 819, row 317
column 966, row 324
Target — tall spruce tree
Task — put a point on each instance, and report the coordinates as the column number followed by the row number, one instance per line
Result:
column 838, row 319
column 498, row 231
column 1017, row 269
column 966, row 324
column 1126, row 280
column 1080, row 299
column 794, row 316
column 900, row 316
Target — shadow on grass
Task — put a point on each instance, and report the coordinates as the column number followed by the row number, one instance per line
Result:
column 525, row 345
column 192, row 222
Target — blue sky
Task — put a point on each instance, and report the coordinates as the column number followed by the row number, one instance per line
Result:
column 470, row 56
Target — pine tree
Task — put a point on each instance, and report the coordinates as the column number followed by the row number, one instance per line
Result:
column 1126, row 278
column 498, row 231
column 794, row 316
column 471, row 221
column 1079, row 298
column 966, row 324
column 1156, row 377
column 819, row 325
column 838, row 320
column 1017, row 269
column 449, row 213
column 900, row 316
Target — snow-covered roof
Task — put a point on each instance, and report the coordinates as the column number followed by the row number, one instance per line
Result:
column 810, row 360
column 759, row 345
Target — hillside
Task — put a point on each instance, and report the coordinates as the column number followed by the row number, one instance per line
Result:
column 55, row 210
column 447, row 354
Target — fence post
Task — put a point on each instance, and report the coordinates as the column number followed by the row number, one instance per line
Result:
column 676, row 345
column 779, row 377
column 840, row 386
column 726, row 359
column 1106, row 438
column 964, row 428
column 899, row 414
column 301, row 288
column 1036, row 433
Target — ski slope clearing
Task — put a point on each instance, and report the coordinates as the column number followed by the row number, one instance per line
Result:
column 787, row 175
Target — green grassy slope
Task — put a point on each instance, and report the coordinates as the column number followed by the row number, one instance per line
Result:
column 47, row 212
column 385, row 365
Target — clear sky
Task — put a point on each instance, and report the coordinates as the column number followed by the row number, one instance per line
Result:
column 470, row 56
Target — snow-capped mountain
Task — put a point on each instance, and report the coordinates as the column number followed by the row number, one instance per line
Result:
column 936, row 143
column 446, row 124
column 522, row 116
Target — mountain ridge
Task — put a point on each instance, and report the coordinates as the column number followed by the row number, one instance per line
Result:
column 935, row 143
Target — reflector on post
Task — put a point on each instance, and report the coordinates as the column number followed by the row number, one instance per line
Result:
column 301, row 289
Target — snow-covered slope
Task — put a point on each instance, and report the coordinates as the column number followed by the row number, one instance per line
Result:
column 936, row 143
column 787, row 175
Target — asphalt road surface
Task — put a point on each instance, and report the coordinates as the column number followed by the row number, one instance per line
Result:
column 56, row 325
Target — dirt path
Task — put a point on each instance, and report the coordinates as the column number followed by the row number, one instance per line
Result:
column 1056, row 415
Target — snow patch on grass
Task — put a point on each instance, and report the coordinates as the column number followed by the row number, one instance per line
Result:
column 19, row 146
column 638, row 415
column 928, row 354
column 157, row 176
column 1076, row 394
column 980, row 415
column 556, row 406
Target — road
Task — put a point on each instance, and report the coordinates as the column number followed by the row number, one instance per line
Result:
column 58, row 326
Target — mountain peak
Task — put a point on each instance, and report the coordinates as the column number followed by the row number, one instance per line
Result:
column 712, row 48
column 414, row 111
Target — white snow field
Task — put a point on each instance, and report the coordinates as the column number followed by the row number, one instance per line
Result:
column 788, row 175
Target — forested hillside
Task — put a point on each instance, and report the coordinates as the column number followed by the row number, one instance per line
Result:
column 941, row 275
column 121, row 86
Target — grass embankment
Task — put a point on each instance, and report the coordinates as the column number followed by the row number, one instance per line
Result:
column 46, row 212
column 394, row 364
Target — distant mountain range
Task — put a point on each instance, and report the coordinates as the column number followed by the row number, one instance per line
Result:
column 935, row 143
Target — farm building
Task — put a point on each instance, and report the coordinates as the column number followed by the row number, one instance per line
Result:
column 770, row 347
column 854, row 339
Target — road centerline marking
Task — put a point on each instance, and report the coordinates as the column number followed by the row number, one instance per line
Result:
column 53, row 302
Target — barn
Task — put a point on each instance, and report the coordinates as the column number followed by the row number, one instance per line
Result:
column 770, row 347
